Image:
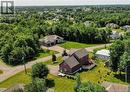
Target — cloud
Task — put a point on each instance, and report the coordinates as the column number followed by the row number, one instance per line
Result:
column 70, row 2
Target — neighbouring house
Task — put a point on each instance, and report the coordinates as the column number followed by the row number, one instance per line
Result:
column 51, row 40
column 114, row 87
column 115, row 35
column 112, row 25
column 103, row 54
column 75, row 61
column 82, row 56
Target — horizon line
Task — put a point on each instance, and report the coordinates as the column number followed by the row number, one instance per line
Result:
column 75, row 5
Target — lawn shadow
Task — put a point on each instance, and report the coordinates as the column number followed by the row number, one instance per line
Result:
column 50, row 83
column 120, row 76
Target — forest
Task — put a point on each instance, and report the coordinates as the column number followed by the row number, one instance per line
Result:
column 19, row 35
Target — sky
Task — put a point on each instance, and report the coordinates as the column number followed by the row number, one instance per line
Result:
column 68, row 2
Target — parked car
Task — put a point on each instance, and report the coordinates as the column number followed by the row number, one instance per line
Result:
column 61, row 74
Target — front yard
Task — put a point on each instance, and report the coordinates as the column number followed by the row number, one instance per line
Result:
column 57, row 62
column 69, row 45
column 44, row 53
column 62, row 84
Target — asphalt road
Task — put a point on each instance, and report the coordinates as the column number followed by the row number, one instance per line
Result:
column 9, row 71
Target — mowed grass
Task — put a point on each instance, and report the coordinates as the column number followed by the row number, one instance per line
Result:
column 16, row 79
column 69, row 45
column 44, row 53
column 118, row 30
column 100, row 74
column 58, row 61
column 60, row 84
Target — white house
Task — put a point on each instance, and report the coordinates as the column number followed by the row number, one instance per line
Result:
column 115, row 35
column 103, row 54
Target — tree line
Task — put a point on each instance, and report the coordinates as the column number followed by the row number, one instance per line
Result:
column 120, row 58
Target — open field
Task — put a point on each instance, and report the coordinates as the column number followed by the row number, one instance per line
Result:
column 69, row 45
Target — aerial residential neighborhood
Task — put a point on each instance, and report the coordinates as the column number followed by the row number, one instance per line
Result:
column 64, row 48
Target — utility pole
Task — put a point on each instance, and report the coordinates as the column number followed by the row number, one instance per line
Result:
column 126, row 74
column 24, row 65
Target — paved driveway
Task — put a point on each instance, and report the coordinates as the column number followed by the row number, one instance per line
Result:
column 54, row 48
column 90, row 49
column 53, row 69
column 14, row 70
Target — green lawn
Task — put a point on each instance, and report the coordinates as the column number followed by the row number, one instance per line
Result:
column 69, row 45
column 62, row 84
column 18, row 78
column 44, row 53
column 97, row 77
column 59, row 60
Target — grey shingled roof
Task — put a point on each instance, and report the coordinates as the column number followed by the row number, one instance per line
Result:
column 71, row 61
column 71, row 51
column 50, row 38
column 81, row 53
